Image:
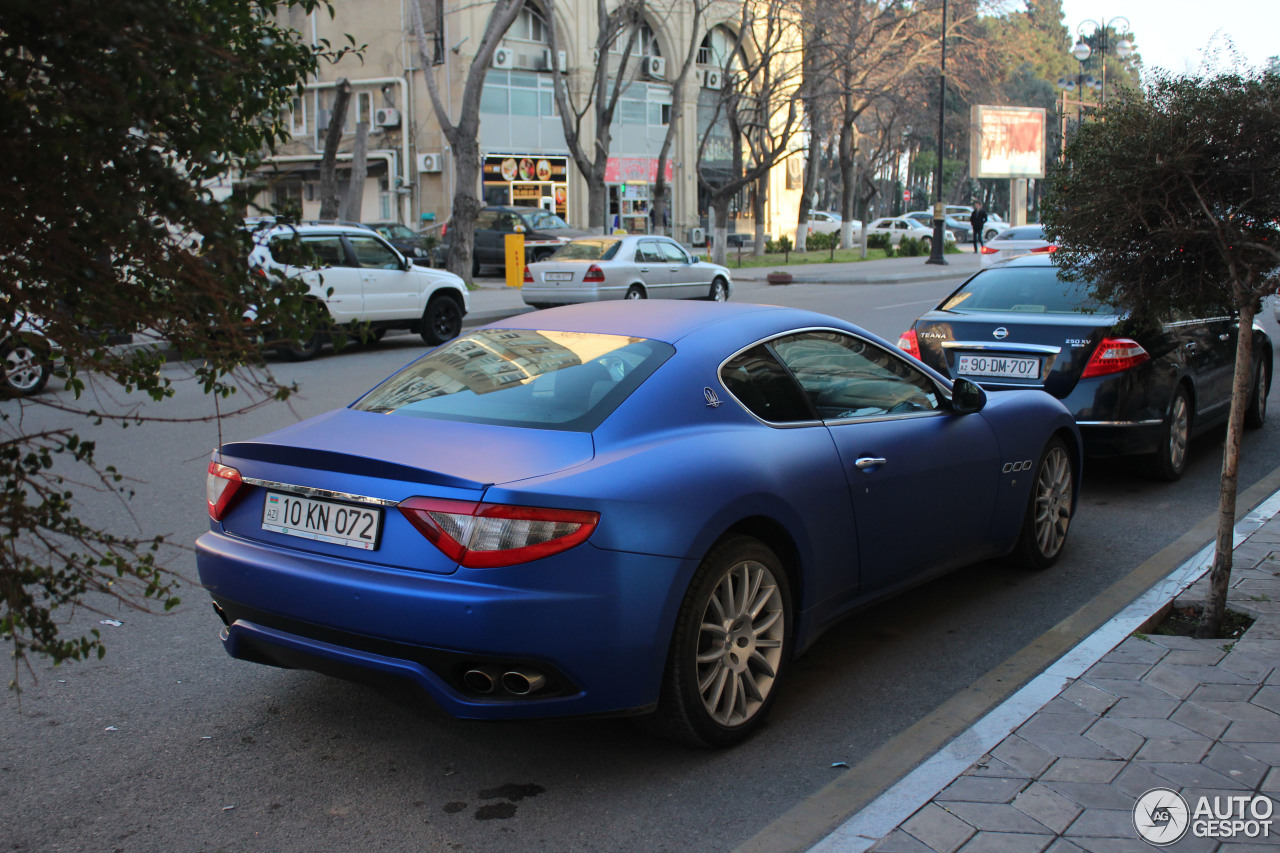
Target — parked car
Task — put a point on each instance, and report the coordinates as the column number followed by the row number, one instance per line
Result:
column 961, row 231
column 1131, row 390
column 640, row 509
column 996, row 224
column 825, row 222
column 407, row 242
column 1015, row 242
column 361, row 282
column 28, row 360
column 543, row 231
column 591, row 269
column 897, row 227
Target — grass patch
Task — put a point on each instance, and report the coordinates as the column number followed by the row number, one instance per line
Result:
column 745, row 260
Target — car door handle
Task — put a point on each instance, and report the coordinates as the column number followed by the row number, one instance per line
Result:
column 866, row 462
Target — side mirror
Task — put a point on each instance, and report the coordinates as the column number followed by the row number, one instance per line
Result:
column 967, row 397
column 519, row 229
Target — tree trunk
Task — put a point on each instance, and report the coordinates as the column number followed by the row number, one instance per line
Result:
column 719, row 206
column 353, row 204
column 466, row 204
column 810, row 187
column 1215, row 606
column 329, row 200
column 848, row 188
column 758, row 208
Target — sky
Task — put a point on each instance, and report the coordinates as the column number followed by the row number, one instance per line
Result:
column 1173, row 34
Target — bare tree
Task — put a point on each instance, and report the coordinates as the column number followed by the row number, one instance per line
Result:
column 757, row 116
column 464, row 135
column 330, row 199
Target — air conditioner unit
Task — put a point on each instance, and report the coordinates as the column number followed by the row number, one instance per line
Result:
column 562, row 60
column 504, row 57
column 698, row 236
column 655, row 67
column 386, row 117
column 713, row 79
column 429, row 162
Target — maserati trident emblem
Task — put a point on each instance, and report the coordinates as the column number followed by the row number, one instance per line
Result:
column 1001, row 333
column 713, row 400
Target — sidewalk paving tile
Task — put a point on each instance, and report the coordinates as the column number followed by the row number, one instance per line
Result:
column 1200, row 720
column 981, row 789
column 1023, row 755
column 1242, row 712
column 1251, row 732
column 1007, row 842
column 1184, row 775
column 1117, row 739
column 1231, row 761
column 1083, row 770
column 1172, row 641
column 1271, row 784
column 1182, row 750
column 899, row 841
column 994, row 767
column 995, row 817
column 1269, row 698
column 1047, row 807
column 1069, row 746
column 1107, row 669
column 1089, row 697
column 1149, row 728
column 1062, row 845
column 1164, row 677
column 1071, row 724
column 1060, row 707
column 1135, row 780
column 1134, row 650
column 1223, row 693
column 1126, row 689
column 1209, row 674
column 1103, row 823
column 1150, row 709
column 939, row 829
column 1092, row 795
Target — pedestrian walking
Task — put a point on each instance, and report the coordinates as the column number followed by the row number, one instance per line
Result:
column 978, row 219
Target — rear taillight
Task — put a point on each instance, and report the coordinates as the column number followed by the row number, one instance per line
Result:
column 528, row 276
column 1115, row 355
column 910, row 342
column 594, row 275
column 1044, row 250
column 221, row 486
column 987, row 250
column 483, row 536
column 444, row 229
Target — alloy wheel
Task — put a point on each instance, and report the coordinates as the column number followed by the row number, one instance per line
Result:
column 1054, row 493
column 740, row 643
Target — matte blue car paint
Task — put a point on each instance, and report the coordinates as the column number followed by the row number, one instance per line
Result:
column 668, row 473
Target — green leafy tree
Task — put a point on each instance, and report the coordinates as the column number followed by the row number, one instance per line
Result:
column 114, row 121
column 1187, row 223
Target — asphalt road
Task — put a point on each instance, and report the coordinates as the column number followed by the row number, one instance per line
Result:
column 169, row 745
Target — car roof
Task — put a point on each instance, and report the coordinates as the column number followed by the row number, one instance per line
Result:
column 667, row 320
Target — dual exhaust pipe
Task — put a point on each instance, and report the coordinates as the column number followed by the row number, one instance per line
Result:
column 517, row 682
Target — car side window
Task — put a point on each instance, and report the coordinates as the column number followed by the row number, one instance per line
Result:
column 673, row 253
column 372, row 253
column 487, row 220
column 647, row 253
column 765, row 387
column 323, row 251
column 846, row 377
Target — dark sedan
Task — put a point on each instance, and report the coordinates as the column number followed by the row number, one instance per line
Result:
column 543, row 231
column 1132, row 391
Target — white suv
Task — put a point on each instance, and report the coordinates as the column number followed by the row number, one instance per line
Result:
column 363, row 282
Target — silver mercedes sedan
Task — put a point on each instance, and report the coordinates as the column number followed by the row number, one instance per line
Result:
column 632, row 266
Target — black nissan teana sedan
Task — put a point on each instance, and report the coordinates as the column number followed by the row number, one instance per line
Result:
column 1017, row 325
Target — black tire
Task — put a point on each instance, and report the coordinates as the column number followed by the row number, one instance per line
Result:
column 988, row 234
column 305, row 350
column 27, row 368
column 635, row 291
column 1255, row 416
column 372, row 337
column 442, row 321
column 723, row 671
column 719, row 291
column 1048, row 518
column 1170, row 459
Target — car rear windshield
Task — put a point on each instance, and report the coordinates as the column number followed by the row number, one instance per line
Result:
column 517, row 377
column 1023, row 290
column 587, row 250
column 1022, row 232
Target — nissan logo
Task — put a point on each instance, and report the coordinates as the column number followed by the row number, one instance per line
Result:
column 1001, row 333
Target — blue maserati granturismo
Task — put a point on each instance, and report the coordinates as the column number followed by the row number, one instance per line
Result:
column 641, row 508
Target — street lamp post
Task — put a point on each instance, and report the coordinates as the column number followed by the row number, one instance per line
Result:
column 1082, row 52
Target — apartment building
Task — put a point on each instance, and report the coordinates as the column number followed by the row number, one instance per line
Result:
column 525, row 161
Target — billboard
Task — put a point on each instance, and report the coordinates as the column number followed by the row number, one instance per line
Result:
column 1007, row 142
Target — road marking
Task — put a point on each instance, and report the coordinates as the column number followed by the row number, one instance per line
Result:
column 845, row 813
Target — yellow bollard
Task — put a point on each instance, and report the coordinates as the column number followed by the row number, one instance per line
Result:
column 513, row 244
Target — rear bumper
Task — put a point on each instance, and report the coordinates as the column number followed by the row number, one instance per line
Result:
column 1121, row 438
column 535, row 293
column 595, row 623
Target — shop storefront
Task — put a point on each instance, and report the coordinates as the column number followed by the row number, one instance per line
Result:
column 629, row 181
column 527, row 180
